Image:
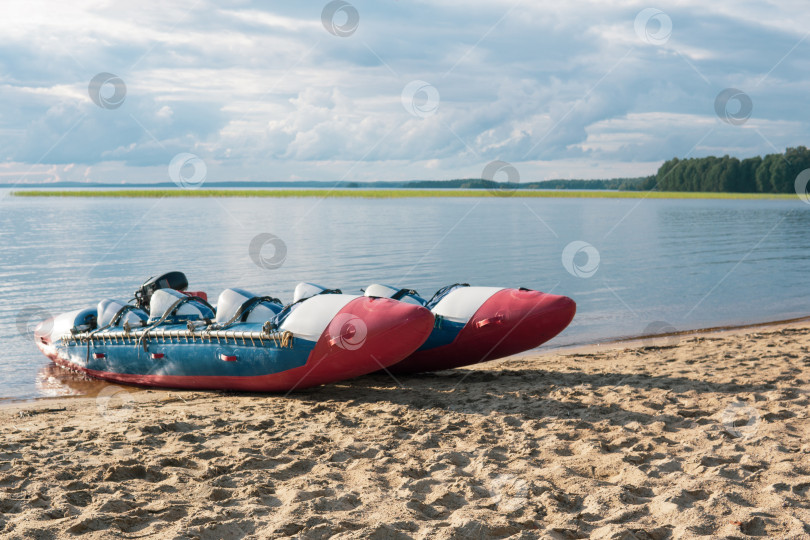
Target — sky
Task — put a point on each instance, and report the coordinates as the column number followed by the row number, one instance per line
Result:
column 201, row 91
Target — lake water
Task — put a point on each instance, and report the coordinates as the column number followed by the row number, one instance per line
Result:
column 687, row 263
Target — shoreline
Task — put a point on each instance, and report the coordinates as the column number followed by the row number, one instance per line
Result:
column 637, row 340
column 702, row 436
column 585, row 347
column 401, row 193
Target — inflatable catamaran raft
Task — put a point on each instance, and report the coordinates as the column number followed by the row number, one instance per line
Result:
column 172, row 338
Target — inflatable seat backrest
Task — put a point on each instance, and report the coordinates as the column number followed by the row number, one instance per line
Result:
column 108, row 308
column 230, row 300
column 163, row 299
column 306, row 290
column 386, row 291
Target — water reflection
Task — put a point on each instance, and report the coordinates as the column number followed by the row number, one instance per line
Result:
column 54, row 381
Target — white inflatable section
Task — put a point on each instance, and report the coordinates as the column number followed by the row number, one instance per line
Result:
column 306, row 290
column 381, row 291
column 162, row 299
column 108, row 308
column 386, row 291
column 461, row 304
column 64, row 322
column 311, row 317
column 261, row 314
column 231, row 299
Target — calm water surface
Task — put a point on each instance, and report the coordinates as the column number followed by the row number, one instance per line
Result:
column 689, row 263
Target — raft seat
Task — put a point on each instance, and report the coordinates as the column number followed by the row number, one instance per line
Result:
column 230, row 301
column 164, row 300
column 110, row 307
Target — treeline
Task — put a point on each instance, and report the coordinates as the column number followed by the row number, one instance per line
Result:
column 631, row 184
column 775, row 173
column 634, row 184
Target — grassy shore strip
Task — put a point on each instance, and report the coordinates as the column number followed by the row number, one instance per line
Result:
column 395, row 193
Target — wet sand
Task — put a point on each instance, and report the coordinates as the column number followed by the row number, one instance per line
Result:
column 702, row 435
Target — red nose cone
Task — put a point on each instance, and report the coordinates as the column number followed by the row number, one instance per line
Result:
column 530, row 318
column 367, row 335
column 553, row 314
column 509, row 322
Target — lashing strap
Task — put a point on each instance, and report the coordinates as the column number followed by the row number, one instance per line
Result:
column 169, row 312
column 245, row 309
column 400, row 294
column 441, row 293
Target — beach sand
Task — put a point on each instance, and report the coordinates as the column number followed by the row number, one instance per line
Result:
column 696, row 435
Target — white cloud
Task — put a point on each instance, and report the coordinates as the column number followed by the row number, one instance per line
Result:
column 266, row 93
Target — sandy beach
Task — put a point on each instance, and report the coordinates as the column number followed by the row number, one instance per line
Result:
column 702, row 435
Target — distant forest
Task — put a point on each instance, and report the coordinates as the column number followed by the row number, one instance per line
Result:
column 775, row 173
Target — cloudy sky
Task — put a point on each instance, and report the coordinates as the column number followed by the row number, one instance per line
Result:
column 394, row 90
